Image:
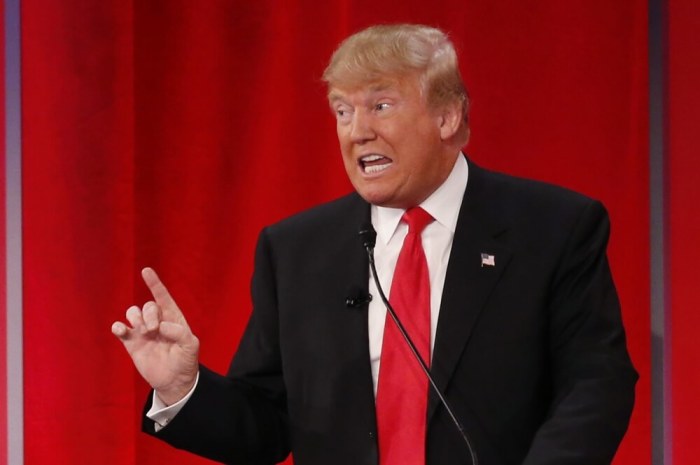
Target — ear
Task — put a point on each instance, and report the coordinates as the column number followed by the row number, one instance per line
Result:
column 450, row 119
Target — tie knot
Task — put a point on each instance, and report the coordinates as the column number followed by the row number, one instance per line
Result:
column 417, row 219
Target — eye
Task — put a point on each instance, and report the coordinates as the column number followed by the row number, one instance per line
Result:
column 382, row 106
column 342, row 113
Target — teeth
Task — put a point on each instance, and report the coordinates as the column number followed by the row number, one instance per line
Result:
column 376, row 168
column 371, row 158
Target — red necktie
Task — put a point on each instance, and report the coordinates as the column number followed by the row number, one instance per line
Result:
column 402, row 393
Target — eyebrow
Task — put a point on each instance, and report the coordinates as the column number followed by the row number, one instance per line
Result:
column 380, row 87
column 372, row 89
column 334, row 97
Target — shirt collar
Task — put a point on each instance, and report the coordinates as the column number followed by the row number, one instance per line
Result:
column 443, row 204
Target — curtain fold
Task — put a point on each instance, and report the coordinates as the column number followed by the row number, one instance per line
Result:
column 78, row 230
column 683, row 227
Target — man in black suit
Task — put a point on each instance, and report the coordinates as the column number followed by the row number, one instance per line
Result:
column 525, row 334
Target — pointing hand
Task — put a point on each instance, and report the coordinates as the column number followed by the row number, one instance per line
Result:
column 160, row 343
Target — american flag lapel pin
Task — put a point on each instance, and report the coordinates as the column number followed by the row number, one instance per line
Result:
column 488, row 260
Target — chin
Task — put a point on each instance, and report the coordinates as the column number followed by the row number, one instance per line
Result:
column 382, row 200
column 378, row 195
column 375, row 198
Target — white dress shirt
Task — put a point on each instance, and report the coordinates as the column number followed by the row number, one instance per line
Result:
column 443, row 205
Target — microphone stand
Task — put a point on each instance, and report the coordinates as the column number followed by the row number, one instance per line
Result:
column 369, row 238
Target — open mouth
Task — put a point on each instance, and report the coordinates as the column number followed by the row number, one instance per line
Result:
column 372, row 164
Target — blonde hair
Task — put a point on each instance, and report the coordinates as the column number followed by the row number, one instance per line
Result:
column 397, row 50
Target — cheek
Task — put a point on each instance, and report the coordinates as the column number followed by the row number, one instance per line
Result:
column 344, row 144
column 346, row 153
column 342, row 139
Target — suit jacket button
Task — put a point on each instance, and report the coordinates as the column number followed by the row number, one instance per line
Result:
column 371, row 434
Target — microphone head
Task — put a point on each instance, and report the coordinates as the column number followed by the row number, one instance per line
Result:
column 357, row 297
column 368, row 235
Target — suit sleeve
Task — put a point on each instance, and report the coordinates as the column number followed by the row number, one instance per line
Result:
column 592, row 376
column 240, row 418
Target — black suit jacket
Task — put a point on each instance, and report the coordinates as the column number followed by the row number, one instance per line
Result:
column 530, row 352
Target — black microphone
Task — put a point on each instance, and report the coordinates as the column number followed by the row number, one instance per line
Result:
column 369, row 239
column 357, row 297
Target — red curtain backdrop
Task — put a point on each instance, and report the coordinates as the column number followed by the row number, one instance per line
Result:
column 683, row 222
column 78, row 206
column 167, row 133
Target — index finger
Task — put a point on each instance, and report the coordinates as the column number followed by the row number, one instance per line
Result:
column 158, row 289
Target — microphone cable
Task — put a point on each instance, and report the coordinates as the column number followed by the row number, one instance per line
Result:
column 369, row 239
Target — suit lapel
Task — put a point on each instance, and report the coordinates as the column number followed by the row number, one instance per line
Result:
column 470, row 279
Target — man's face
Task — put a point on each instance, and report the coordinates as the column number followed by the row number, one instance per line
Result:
column 391, row 141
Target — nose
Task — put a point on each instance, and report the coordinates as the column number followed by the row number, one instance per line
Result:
column 361, row 129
